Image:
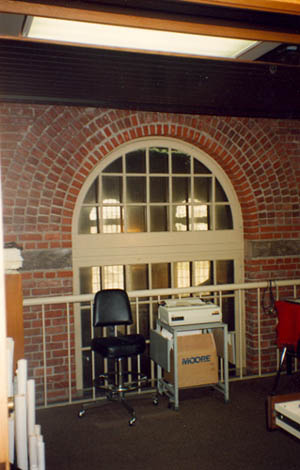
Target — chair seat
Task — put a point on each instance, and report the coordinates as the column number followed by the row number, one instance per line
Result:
column 119, row 346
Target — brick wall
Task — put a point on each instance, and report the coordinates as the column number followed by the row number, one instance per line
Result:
column 48, row 151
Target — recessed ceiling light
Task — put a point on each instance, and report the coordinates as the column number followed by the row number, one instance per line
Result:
column 129, row 38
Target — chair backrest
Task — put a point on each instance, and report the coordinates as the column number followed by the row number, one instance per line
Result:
column 112, row 307
column 288, row 327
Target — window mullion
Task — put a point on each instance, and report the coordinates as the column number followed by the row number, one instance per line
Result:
column 124, row 193
column 99, row 206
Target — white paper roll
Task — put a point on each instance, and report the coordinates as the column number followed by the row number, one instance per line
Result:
column 33, row 451
column 11, row 437
column 22, row 377
column 37, row 429
column 41, row 455
column 10, row 366
column 21, row 432
column 31, row 406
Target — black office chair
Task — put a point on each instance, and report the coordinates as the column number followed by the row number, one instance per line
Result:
column 112, row 308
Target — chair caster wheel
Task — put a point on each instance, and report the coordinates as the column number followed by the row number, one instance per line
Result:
column 132, row 421
column 81, row 413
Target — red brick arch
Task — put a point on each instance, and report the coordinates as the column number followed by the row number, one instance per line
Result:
column 61, row 146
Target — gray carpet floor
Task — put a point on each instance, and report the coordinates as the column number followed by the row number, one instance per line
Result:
column 204, row 434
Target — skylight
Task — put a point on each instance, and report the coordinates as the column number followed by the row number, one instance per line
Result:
column 139, row 39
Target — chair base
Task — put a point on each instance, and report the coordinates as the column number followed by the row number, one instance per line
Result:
column 111, row 397
column 115, row 392
column 287, row 354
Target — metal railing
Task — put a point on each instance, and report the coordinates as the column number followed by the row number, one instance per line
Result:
column 53, row 347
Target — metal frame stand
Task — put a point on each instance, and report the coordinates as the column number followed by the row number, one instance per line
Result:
column 160, row 357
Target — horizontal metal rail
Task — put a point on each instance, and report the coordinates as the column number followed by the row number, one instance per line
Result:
column 150, row 296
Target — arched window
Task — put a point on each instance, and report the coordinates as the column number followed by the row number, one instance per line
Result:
column 156, row 213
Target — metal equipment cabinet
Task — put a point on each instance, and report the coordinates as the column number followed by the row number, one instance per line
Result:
column 160, row 348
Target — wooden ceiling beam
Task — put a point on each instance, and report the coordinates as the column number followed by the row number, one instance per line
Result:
column 152, row 19
column 291, row 7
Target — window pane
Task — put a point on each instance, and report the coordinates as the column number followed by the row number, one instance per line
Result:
column 92, row 194
column 112, row 221
column 144, row 325
column 113, row 277
column 203, row 273
column 111, row 189
column 114, row 167
column 200, row 168
column 202, row 189
column 89, row 280
column 158, row 219
column 136, row 219
column 181, row 162
column 88, row 220
column 159, row 189
column 224, row 272
column 181, row 189
column 220, row 193
column 182, row 274
column 85, row 326
column 136, row 189
column 161, row 278
column 202, row 217
column 138, row 277
column 136, row 161
column 158, row 160
column 87, row 369
column 228, row 313
column 223, row 218
column 180, row 219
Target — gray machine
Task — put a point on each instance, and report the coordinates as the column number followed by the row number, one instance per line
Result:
column 188, row 311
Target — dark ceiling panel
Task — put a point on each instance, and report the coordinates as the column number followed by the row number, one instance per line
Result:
column 44, row 73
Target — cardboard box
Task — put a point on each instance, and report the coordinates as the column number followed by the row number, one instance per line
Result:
column 197, row 361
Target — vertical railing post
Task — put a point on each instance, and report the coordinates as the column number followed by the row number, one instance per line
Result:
column 92, row 353
column 69, row 353
column 259, row 330
column 241, row 359
column 44, row 356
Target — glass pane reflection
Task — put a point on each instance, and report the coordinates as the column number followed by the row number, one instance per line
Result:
column 180, row 218
column 111, row 189
column 159, row 160
column 202, row 189
column 136, row 219
column 112, row 219
column 182, row 274
column 159, row 189
column 136, row 161
column 158, row 219
column 181, row 162
column 220, row 193
column 223, row 218
column 225, row 272
column 201, row 214
column 199, row 168
column 88, row 220
column 161, row 278
column 138, row 277
column 136, row 189
column 92, row 194
column 181, row 189
column 114, row 167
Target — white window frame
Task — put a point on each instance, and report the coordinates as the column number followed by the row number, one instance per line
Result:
column 104, row 249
